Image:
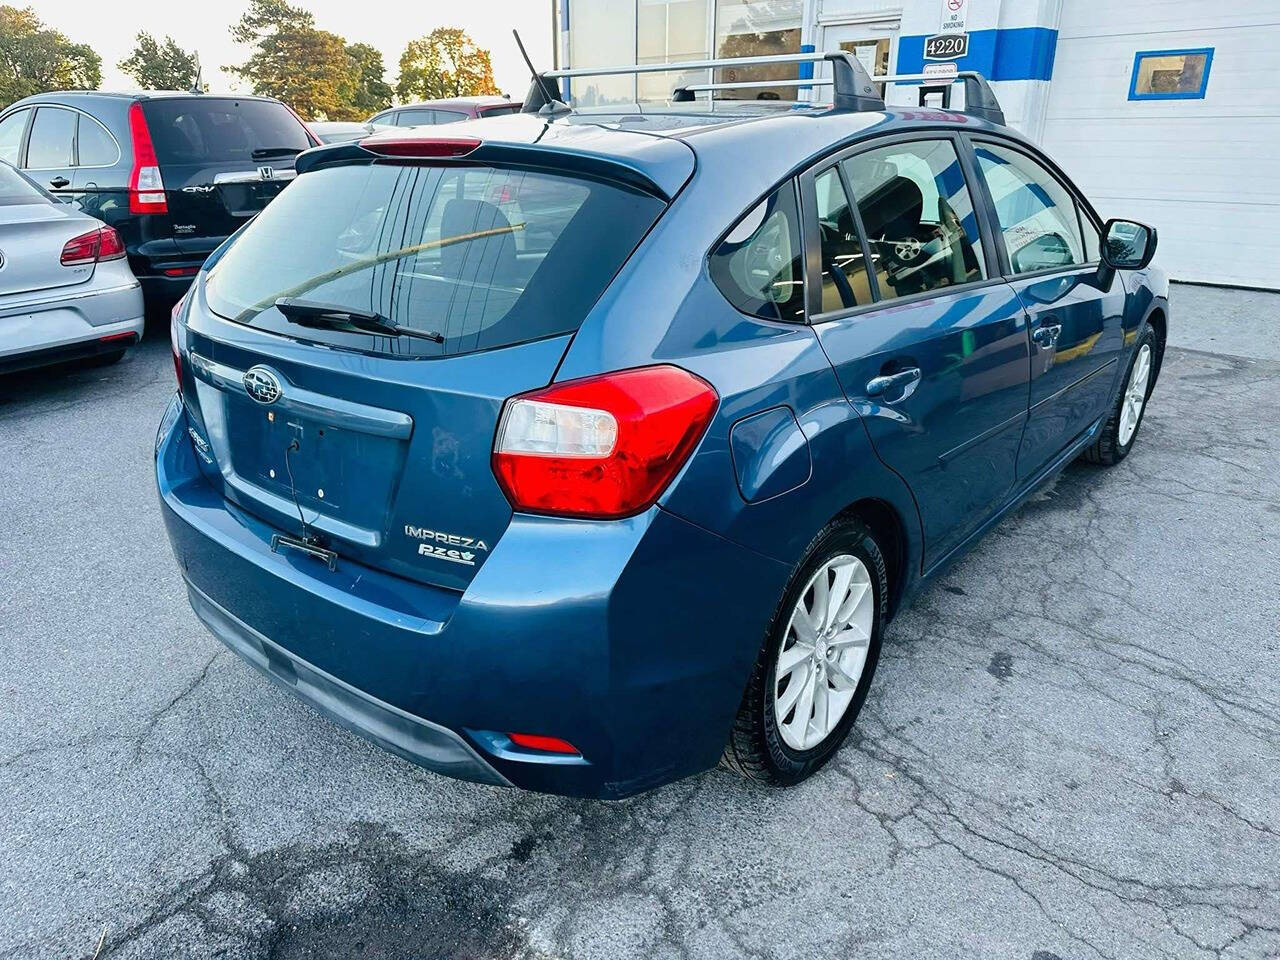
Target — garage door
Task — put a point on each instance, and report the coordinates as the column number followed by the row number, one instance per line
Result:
column 1200, row 167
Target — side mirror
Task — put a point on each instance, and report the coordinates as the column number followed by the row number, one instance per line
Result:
column 1127, row 245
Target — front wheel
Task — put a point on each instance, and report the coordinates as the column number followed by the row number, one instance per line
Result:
column 816, row 664
column 1121, row 429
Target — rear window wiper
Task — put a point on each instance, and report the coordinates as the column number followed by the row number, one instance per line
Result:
column 263, row 152
column 328, row 316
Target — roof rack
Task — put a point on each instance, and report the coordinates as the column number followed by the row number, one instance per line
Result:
column 979, row 101
column 853, row 87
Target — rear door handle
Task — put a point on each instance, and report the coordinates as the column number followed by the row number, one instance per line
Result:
column 1046, row 335
column 900, row 383
column 59, row 182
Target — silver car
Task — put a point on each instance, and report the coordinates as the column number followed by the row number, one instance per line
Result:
column 66, row 290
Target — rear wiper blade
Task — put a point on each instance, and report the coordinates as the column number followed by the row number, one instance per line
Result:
column 328, row 316
column 263, row 152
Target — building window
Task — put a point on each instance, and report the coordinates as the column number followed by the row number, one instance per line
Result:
column 1170, row 74
column 669, row 31
column 758, row 28
column 602, row 33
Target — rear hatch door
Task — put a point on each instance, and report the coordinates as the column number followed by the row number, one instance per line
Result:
column 33, row 231
column 222, row 161
column 382, row 443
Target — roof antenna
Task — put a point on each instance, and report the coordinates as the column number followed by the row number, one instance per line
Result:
column 196, row 86
column 543, row 98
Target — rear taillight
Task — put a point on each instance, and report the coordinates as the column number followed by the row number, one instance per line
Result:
column 601, row 447
column 176, row 335
column 423, row 148
column 146, row 186
column 101, row 244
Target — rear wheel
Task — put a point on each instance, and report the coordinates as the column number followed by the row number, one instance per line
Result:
column 817, row 661
column 1121, row 429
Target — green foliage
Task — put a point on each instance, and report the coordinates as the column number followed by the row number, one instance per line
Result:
column 34, row 58
column 370, row 92
column 445, row 63
column 307, row 68
column 157, row 66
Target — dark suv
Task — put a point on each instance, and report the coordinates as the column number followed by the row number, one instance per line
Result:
column 174, row 173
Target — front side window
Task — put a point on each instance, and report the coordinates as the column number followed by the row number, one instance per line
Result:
column 52, row 139
column 759, row 266
column 918, row 215
column 1037, row 215
column 11, row 128
column 844, row 268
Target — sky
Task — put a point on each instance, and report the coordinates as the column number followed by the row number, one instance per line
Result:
column 109, row 26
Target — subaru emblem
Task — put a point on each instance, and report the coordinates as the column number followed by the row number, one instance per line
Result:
column 262, row 384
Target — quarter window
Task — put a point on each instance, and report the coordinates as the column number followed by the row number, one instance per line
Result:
column 414, row 118
column 52, row 138
column 11, row 128
column 844, row 268
column 1036, row 213
column 918, row 216
column 95, row 147
column 759, row 266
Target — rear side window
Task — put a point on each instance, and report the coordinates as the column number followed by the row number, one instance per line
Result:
column 759, row 266
column 449, row 116
column 414, row 118
column 52, row 139
column 484, row 256
column 918, row 215
column 15, row 189
column 11, row 128
column 95, row 147
column 1037, row 214
column 212, row 130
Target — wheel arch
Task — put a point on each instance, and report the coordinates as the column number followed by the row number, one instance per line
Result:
column 889, row 528
column 1158, row 320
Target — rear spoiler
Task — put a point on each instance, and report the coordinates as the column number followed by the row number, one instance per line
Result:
column 667, row 165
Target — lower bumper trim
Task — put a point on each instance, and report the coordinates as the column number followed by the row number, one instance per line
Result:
column 427, row 744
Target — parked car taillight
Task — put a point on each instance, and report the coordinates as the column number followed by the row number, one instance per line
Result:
column 146, row 186
column 101, row 244
column 601, row 447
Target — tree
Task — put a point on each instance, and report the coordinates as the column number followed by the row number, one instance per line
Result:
column 157, row 66
column 371, row 91
column 34, row 58
column 307, row 68
column 445, row 63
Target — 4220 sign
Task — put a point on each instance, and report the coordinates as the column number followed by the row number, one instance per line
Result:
column 946, row 46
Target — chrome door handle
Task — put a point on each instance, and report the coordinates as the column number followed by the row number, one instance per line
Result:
column 903, row 380
column 1047, row 335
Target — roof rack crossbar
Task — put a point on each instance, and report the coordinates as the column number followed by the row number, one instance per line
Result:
column 853, row 87
column 979, row 101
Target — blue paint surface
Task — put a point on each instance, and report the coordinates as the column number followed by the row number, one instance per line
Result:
column 1022, row 53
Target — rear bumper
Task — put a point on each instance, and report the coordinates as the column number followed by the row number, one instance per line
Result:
column 413, row 738
column 632, row 639
column 80, row 323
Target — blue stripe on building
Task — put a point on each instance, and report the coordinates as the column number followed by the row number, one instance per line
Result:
column 1022, row 53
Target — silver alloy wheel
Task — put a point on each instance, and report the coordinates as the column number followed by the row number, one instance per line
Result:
column 823, row 652
column 1135, row 394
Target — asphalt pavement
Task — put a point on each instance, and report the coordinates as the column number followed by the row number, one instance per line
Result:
column 1071, row 749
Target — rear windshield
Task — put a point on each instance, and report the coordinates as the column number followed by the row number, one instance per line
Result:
column 15, row 189
column 485, row 257
column 211, row 130
column 500, row 111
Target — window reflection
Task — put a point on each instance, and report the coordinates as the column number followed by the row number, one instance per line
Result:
column 758, row 28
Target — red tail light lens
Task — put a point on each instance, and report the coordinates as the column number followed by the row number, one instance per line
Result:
column 425, row 148
column 82, row 249
column 601, row 447
column 146, row 186
column 531, row 741
column 101, row 244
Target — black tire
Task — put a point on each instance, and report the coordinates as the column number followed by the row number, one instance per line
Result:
column 1107, row 449
column 756, row 749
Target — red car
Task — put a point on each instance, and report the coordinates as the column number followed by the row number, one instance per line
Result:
column 431, row 112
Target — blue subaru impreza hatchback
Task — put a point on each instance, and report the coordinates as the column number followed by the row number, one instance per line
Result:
column 580, row 451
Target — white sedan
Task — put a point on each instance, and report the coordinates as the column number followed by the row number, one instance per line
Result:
column 66, row 290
